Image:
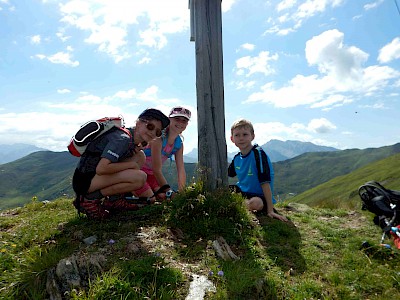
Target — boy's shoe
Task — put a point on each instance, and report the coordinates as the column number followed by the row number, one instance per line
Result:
column 118, row 203
column 93, row 209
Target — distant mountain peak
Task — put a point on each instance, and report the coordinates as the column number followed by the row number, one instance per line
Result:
column 281, row 150
column 9, row 153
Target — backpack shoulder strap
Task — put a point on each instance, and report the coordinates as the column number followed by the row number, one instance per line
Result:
column 257, row 155
column 177, row 144
column 375, row 185
column 164, row 143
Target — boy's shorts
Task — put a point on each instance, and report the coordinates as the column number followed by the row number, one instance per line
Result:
column 81, row 181
column 234, row 188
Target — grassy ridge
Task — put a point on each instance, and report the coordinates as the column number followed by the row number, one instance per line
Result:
column 306, row 171
column 342, row 191
column 44, row 174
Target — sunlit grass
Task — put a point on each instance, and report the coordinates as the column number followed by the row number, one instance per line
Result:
column 317, row 255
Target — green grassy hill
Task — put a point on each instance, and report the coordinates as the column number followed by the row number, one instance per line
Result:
column 342, row 191
column 44, row 174
column 48, row 176
column 306, row 171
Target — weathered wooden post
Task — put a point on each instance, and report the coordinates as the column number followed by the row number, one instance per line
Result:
column 206, row 32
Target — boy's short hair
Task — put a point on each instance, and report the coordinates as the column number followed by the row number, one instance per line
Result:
column 242, row 123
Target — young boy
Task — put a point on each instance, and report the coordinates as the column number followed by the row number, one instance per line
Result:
column 255, row 177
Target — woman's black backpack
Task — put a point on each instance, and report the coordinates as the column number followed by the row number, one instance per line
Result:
column 383, row 202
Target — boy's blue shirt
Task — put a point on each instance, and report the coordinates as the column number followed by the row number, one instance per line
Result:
column 250, row 176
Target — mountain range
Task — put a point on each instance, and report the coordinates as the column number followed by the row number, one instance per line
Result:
column 47, row 175
column 277, row 150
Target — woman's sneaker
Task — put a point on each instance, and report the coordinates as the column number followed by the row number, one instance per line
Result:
column 93, row 209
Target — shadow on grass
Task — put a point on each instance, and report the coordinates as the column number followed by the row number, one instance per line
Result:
column 282, row 243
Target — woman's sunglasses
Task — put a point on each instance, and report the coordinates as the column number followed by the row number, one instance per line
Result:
column 151, row 127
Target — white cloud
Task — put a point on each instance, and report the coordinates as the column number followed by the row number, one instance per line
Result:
column 301, row 90
column 258, row 64
column 390, row 51
column 379, row 105
column 109, row 23
column 63, row 58
column 341, row 74
column 124, row 95
column 282, row 5
column 66, row 117
column 63, row 91
column 321, row 125
column 247, row 46
column 6, row 2
column 150, row 94
column 226, row 5
column 310, row 8
column 40, row 56
column 144, row 60
column 279, row 31
column 332, row 101
column 153, row 38
column 376, row 78
column 245, row 85
column 35, row 39
column 13, row 127
column 295, row 13
column 62, row 36
column 332, row 57
column 372, row 5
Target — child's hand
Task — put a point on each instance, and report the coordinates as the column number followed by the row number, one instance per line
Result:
column 277, row 216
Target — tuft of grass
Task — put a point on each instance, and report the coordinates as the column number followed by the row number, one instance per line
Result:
column 208, row 215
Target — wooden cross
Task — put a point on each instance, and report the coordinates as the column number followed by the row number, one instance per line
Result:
column 191, row 7
column 206, row 32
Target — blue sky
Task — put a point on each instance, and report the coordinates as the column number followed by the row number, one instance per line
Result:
column 320, row 71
